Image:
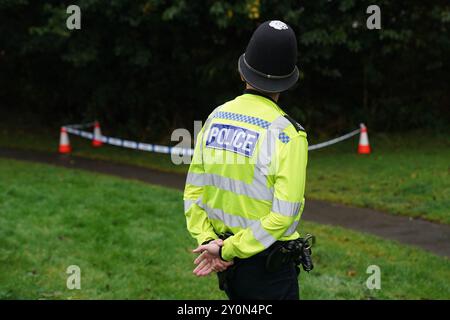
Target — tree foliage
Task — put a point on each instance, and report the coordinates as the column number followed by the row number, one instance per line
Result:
column 147, row 66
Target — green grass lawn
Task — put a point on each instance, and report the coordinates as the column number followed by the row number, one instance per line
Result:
column 406, row 174
column 130, row 241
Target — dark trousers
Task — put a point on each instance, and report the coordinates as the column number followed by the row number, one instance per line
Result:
column 249, row 280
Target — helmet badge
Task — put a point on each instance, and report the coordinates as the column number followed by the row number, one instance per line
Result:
column 279, row 25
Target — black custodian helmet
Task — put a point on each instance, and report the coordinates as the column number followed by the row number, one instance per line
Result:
column 269, row 62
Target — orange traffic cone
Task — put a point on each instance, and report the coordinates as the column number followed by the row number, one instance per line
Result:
column 363, row 146
column 64, row 144
column 97, row 141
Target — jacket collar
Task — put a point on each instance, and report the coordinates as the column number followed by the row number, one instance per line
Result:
column 258, row 93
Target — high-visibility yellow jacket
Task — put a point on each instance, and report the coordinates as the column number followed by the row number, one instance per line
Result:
column 247, row 177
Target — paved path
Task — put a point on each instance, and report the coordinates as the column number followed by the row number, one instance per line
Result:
column 427, row 235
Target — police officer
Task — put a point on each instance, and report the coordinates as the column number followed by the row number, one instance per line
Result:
column 244, row 190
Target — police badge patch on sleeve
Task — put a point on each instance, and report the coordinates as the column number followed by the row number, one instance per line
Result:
column 235, row 139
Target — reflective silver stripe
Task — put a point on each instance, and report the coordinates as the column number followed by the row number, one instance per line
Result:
column 195, row 179
column 230, row 220
column 267, row 149
column 261, row 169
column 260, row 182
column 188, row 203
column 255, row 190
column 260, row 234
column 292, row 228
column 285, row 208
column 265, row 153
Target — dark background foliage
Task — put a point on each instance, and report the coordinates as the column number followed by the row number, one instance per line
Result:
column 145, row 67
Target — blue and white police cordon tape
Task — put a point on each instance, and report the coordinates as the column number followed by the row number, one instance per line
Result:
column 333, row 141
column 118, row 142
column 75, row 129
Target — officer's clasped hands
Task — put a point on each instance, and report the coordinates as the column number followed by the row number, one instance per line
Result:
column 209, row 260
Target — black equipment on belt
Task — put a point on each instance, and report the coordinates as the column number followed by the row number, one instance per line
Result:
column 297, row 251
